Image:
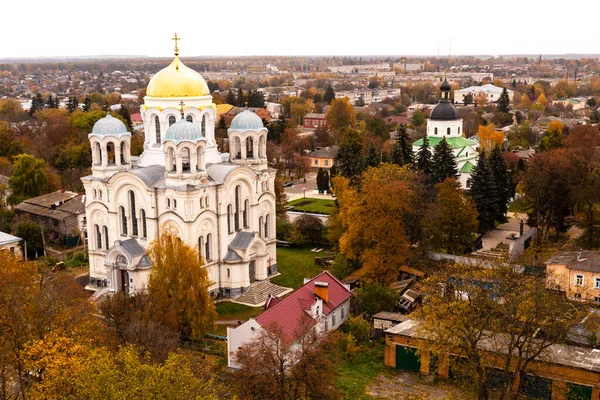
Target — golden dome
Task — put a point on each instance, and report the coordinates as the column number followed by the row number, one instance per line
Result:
column 177, row 80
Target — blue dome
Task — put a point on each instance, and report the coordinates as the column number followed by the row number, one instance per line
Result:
column 246, row 121
column 183, row 130
column 109, row 126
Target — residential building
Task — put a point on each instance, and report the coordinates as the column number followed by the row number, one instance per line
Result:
column 324, row 157
column 576, row 103
column 11, row 244
column 559, row 372
column 576, row 273
column 445, row 123
column 63, row 215
column 315, row 120
column 368, row 96
column 323, row 302
column 222, row 204
column 274, row 109
column 492, row 92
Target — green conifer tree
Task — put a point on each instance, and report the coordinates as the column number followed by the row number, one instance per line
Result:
column 37, row 103
column 87, row 103
column 372, row 158
column 504, row 102
column 483, row 192
column 444, row 163
column 350, row 158
column 423, row 160
column 405, row 145
column 396, row 156
column 124, row 112
column 329, row 95
column 230, row 98
column 502, row 181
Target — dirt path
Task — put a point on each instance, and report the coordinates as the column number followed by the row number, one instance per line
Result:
column 411, row 386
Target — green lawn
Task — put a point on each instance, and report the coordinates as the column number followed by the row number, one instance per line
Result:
column 518, row 206
column 295, row 264
column 229, row 310
column 354, row 376
column 319, row 206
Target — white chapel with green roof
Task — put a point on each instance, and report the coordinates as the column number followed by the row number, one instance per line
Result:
column 445, row 122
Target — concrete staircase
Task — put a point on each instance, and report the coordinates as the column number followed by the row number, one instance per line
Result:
column 259, row 292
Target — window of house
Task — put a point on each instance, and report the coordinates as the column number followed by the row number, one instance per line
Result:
column 316, row 162
column 576, row 295
column 435, row 131
column 333, row 318
column 326, row 324
column 343, row 312
column 597, row 299
column 597, row 283
column 448, row 131
column 579, row 280
column 326, row 163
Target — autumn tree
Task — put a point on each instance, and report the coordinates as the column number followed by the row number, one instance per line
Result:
column 489, row 137
column 341, row 114
column 553, row 137
column 28, row 180
column 178, row 286
column 384, row 199
column 443, row 162
column 451, row 221
column 495, row 308
column 275, row 365
column 480, row 99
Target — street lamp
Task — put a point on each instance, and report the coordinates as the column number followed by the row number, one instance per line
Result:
column 304, row 191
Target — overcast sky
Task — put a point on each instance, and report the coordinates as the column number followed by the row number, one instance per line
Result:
column 34, row 28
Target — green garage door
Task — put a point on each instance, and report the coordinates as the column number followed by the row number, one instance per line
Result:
column 407, row 359
column 578, row 392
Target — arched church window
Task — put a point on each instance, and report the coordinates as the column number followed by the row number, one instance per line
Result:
column 168, row 203
column 106, row 241
column 206, row 202
column 144, row 228
column 435, row 131
column 229, row 211
column 245, row 213
column 134, row 222
column 249, row 148
column 200, row 247
column 201, row 202
column 110, row 153
column 100, row 194
column 95, row 194
column 199, row 159
column 174, row 204
column 157, row 129
column 237, row 208
column 123, row 220
column 207, row 247
column 267, row 222
column 189, row 118
column 448, row 131
column 98, row 237
column 228, row 273
column 172, row 120
column 185, row 160
column 122, row 153
column 98, row 152
column 203, row 125
column 171, row 165
column 260, row 227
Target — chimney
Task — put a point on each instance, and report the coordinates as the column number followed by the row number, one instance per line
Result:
column 321, row 290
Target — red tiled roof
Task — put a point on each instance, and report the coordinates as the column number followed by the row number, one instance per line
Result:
column 137, row 117
column 288, row 314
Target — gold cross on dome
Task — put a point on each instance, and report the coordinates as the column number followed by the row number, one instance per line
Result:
column 176, row 38
column 181, row 104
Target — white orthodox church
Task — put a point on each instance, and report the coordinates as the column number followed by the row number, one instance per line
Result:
column 222, row 204
column 445, row 122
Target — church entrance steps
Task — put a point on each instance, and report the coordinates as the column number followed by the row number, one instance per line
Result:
column 258, row 293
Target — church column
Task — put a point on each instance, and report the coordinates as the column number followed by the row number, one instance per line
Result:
column 104, row 152
column 194, row 161
column 118, row 154
column 255, row 142
column 243, row 148
column 178, row 162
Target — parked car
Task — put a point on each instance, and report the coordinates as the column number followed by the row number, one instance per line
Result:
column 288, row 184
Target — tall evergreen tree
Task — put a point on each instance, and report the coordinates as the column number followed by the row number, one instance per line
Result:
column 372, row 158
column 322, row 180
column 350, row 158
column 124, row 112
column 504, row 102
column 230, row 98
column 37, row 103
column 241, row 98
column 405, row 145
column 444, row 163
column 87, row 103
column 483, row 192
column 502, row 180
column 329, row 95
column 255, row 99
column 50, row 102
column 396, row 156
column 423, row 161
column 72, row 105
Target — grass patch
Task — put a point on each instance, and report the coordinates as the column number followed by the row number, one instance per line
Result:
column 295, row 264
column 229, row 310
column 354, row 376
column 319, row 206
column 518, row 206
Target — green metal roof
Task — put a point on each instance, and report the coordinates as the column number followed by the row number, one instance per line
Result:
column 466, row 169
column 453, row 142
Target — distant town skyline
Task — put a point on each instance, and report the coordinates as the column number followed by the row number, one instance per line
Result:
column 69, row 28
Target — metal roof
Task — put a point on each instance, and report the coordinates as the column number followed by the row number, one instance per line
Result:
column 5, row 238
column 246, row 121
column 220, row 172
column 232, row 256
column 109, row 126
column 131, row 247
column 149, row 174
column 570, row 257
column 242, row 240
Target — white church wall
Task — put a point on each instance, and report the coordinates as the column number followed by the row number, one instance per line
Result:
column 442, row 128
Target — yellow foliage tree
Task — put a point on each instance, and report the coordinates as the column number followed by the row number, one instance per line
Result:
column 341, row 114
column 480, row 99
column 374, row 223
column 542, row 100
column 178, row 286
column 489, row 137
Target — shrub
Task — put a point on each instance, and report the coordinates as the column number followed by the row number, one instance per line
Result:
column 373, row 298
column 359, row 328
